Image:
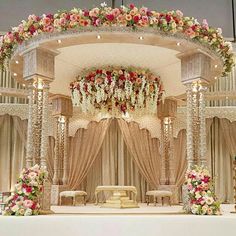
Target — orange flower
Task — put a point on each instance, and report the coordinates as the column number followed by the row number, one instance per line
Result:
column 151, row 88
column 128, row 17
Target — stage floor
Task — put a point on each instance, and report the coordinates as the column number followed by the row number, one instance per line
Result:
column 92, row 209
column 94, row 221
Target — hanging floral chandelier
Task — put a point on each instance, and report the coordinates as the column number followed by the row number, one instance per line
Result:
column 117, row 90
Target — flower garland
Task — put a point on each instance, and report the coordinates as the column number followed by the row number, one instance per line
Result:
column 201, row 195
column 169, row 22
column 25, row 200
column 117, row 89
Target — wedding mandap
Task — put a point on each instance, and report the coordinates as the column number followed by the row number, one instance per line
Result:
column 119, row 112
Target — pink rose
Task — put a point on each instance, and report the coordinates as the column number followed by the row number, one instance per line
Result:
column 62, row 21
column 49, row 29
column 46, row 21
column 143, row 10
column 28, row 203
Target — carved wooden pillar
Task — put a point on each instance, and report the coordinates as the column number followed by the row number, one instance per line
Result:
column 38, row 71
column 196, row 69
column 166, row 112
column 62, row 111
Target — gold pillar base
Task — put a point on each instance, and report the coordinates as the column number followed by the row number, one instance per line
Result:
column 46, row 212
column 120, row 200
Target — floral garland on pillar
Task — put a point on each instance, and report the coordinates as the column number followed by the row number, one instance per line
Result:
column 25, row 199
column 167, row 22
column 201, row 195
column 117, row 90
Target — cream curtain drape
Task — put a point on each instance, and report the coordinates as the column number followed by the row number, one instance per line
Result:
column 229, row 132
column 85, row 147
column 50, row 157
column 13, row 132
column 114, row 166
column 144, row 150
column 180, row 159
column 220, row 161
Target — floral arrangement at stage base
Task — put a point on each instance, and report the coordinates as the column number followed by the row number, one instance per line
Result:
column 25, row 199
column 200, row 191
column 117, row 90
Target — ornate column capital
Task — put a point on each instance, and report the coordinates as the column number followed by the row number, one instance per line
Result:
column 197, row 65
column 167, row 108
column 38, row 63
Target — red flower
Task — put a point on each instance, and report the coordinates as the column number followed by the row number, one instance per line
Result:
column 86, row 13
column 68, row 16
column 32, row 29
column 136, row 18
column 193, row 27
column 49, row 16
column 28, row 189
column 110, row 17
column 108, row 73
column 122, row 77
column 149, row 13
column 131, row 6
column 131, row 73
column 98, row 72
column 206, row 179
column 168, row 18
column 33, row 207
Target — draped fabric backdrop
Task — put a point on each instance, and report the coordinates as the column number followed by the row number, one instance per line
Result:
column 13, row 133
column 120, row 153
column 84, row 149
column 114, row 165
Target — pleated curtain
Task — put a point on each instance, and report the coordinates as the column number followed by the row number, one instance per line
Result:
column 114, row 166
column 85, row 147
column 144, row 150
column 13, row 132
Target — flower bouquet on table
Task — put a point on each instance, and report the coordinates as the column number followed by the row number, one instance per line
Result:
column 25, row 199
column 201, row 195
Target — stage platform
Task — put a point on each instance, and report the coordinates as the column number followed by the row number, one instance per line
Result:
column 144, row 221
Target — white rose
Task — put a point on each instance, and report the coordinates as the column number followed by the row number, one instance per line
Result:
column 209, row 200
column 15, row 208
column 28, row 212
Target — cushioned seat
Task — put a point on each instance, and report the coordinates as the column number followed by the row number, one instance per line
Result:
column 73, row 195
column 158, row 193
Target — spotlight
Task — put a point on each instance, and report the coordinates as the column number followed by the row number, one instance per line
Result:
column 178, row 44
column 140, row 37
column 98, row 36
column 216, row 66
column 17, row 62
column 215, row 77
column 59, row 40
column 14, row 74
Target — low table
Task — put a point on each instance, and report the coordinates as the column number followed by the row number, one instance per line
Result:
column 119, row 198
